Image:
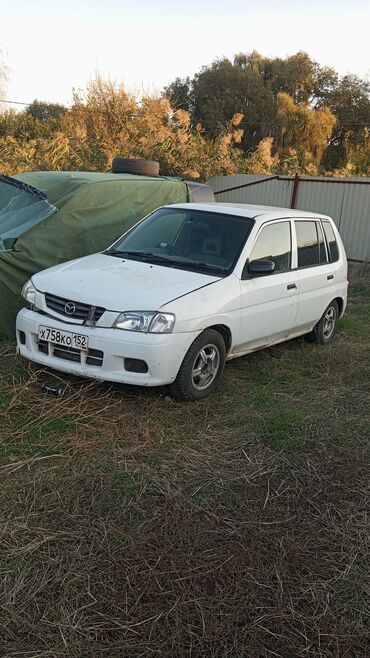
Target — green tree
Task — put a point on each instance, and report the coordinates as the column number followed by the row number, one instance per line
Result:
column 179, row 92
column 294, row 75
column 226, row 88
column 249, row 85
column 325, row 81
column 349, row 100
column 304, row 135
column 44, row 112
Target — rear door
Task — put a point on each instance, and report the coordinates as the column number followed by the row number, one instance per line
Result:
column 315, row 272
column 269, row 303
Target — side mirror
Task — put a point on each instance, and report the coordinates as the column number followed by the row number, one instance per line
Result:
column 259, row 267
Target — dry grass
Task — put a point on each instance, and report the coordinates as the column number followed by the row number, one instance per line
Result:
column 131, row 525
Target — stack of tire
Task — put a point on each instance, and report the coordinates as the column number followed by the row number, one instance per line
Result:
column 138, row 167
column 200, row 192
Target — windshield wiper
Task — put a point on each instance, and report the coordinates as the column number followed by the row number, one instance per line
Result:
column 146, row 256
column 149, row 257
column 201, row 265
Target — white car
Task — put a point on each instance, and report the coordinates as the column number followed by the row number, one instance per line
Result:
column 186, row 289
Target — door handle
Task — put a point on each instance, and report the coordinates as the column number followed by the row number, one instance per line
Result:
column 330, row 276
column 291, row 286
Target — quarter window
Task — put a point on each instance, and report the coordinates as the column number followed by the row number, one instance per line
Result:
column 307, row 244
column 322, row 248
column 274, row 243
column 331, row 242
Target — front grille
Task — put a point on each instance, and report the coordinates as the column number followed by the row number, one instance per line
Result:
column 81, row 311
column 67, row 353
column 43, row 347
column 91, row 357
column 94, row 357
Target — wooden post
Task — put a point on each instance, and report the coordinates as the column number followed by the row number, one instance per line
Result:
column 295, row 190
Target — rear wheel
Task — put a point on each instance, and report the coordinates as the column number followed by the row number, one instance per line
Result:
column 326, row 327
column 202, row 367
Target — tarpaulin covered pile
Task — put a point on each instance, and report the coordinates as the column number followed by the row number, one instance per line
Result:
column 47, row 218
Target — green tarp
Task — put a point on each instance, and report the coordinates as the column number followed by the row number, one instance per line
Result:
column 93, row 209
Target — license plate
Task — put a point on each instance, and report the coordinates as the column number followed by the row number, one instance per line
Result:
column 63, row 338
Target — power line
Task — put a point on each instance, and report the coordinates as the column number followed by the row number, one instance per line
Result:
column 13, row 102
column 2, row 100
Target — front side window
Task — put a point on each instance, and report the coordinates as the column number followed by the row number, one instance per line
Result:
column 274, row 243
column 187, row 239
column 307, row 244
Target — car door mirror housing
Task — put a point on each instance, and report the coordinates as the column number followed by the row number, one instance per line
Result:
column 258, row 268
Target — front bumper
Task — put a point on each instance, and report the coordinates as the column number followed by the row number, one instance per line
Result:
column 163, row 353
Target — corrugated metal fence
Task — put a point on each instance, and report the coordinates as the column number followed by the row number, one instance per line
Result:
column 346, row 200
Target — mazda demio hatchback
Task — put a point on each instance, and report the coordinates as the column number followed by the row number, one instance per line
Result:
column 186, row 289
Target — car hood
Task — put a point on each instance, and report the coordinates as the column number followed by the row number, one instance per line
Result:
column 119, row 284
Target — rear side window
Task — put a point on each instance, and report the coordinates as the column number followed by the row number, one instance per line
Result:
column 274, row 243
column 307, row 244
column 331, row 242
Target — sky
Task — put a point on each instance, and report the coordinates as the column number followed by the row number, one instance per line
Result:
column 52, row 47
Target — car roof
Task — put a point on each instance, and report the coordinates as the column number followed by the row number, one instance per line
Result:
column 249, row 210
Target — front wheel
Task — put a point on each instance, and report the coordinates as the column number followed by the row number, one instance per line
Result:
column 202, row 367
column 326, row 327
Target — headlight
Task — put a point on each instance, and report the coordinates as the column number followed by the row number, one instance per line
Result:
column 29, row 292
column 146, row 321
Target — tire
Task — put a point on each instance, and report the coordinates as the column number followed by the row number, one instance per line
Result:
column 324, row 331
column 132, row 166
column 187, row 385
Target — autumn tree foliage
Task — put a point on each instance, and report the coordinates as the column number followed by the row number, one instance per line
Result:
column 303, row 131
column 318, row 121
column 106, row 121
column 254, row 114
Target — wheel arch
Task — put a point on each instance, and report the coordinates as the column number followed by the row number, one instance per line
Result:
column 225, row 332
column 340, row 302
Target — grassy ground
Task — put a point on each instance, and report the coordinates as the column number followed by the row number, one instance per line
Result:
column 132, row 525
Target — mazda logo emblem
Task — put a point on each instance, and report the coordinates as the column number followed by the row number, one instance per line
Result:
column 69, row 308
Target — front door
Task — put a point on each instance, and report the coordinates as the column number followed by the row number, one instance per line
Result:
column 269, row 303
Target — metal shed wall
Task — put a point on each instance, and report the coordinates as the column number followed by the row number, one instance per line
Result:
column 346, row 200
column 269, row 193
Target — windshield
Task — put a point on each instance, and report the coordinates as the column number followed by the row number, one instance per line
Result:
column 21, row 207
column 188, row 239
